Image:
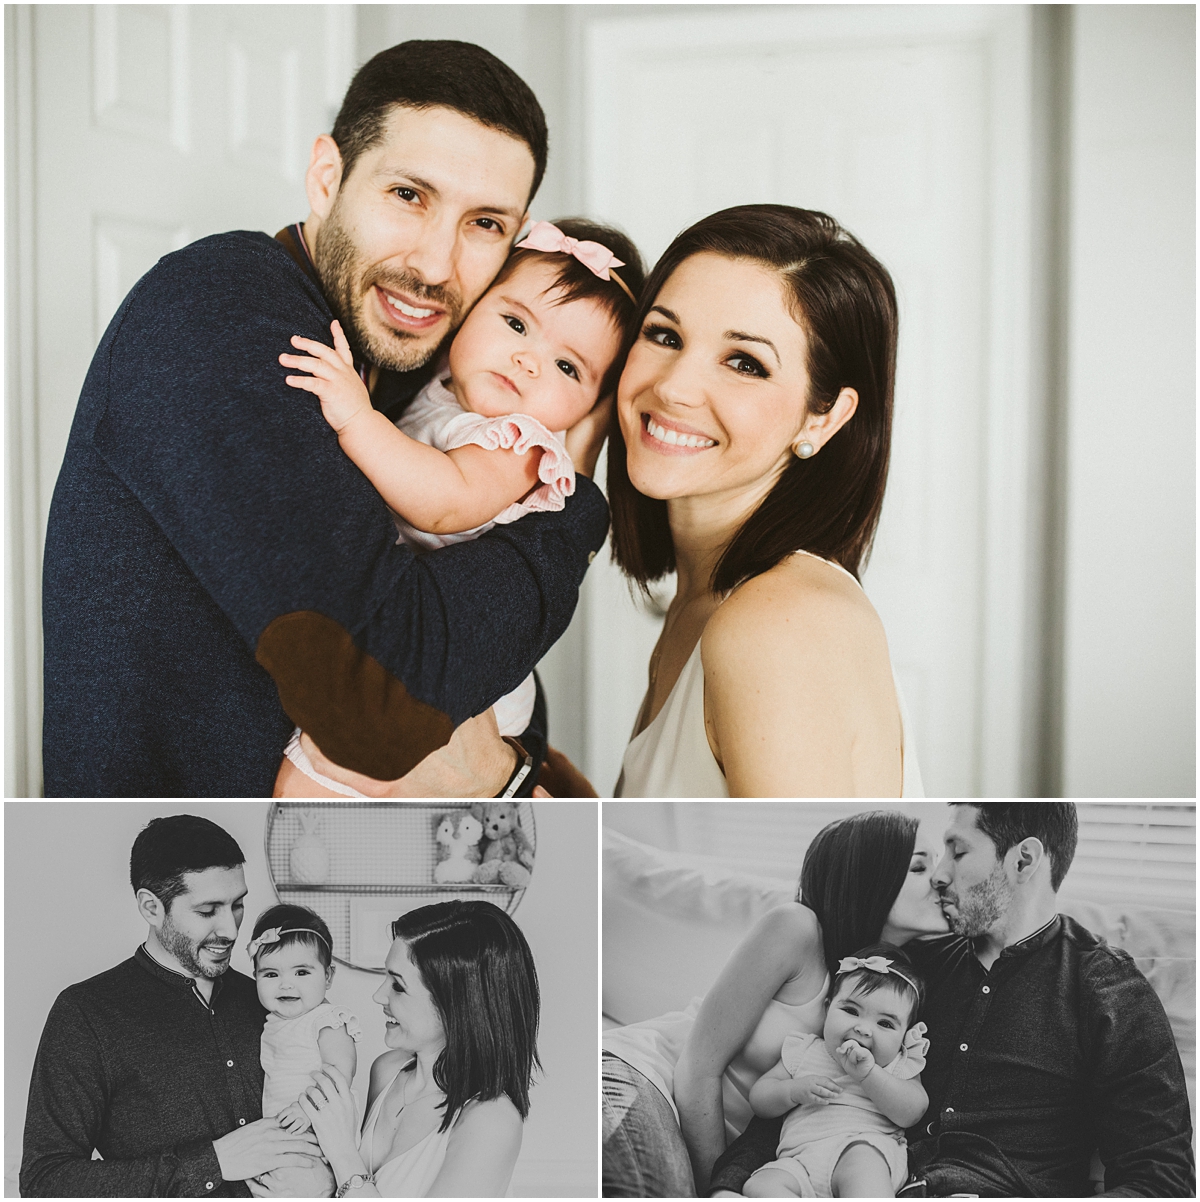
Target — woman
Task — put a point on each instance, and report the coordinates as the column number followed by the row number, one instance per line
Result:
column 864, row 878
column 750, row 457
column 446, row 1103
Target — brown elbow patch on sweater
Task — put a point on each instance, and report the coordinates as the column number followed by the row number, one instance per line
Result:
column 356, row 711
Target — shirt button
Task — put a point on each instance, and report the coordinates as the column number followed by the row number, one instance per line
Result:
column 208, row 1185
column 962, row 1047
column 987, row 989
column 229, row 1064
column 591, row 557
column 241, row 1122
column 949, row 1109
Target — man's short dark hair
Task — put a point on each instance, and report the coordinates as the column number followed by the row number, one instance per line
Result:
column 1055, row 823
column 453, row 75
column 169, row 847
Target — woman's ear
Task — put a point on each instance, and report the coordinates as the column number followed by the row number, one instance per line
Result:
column 819, row 428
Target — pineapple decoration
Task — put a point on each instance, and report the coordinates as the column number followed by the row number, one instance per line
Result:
column 309, row 857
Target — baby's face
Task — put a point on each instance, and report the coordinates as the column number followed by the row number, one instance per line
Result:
column 291, row 981
column 876, row 1020
column 519, row 352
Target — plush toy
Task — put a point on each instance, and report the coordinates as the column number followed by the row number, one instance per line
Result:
column 458, row 838
column 507, row 853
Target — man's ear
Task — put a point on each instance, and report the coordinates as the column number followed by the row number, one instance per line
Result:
column 324, row 176
column 1027, row 857
column 150, row 908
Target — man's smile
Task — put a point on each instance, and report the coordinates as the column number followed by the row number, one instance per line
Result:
column 406, row 312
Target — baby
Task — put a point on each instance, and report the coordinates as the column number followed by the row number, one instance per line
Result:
column 483, row 443
column 292, row 954
column 850, row 1093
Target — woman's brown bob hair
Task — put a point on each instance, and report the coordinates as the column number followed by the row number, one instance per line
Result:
column 844, row 300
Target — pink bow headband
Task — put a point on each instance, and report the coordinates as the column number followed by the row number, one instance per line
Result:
column 598, row 259
column 873, row 964
column 272, row 934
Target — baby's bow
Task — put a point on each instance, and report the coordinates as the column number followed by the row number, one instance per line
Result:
column 871, row 963
column 596, row 257
column 270, row 935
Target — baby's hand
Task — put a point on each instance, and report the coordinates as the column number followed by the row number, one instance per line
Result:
column 816, row 1089
column 342, row 394
column 855, row 1059
column 293, row 1119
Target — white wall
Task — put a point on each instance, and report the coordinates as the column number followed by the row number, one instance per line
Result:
column 69, row 914
column 1129, row 667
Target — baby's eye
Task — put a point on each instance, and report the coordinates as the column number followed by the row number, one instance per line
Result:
column 746, row 365
column 567, row 368
column 302, row 972
column 516, row 323
column 664, row 336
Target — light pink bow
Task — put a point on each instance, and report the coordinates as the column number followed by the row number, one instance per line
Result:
column 593, row 255
column 270, row 935
column 871, row 964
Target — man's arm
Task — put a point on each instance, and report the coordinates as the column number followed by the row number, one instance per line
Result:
column 377, row 652
column 67, row 1105
column 1138, row 1092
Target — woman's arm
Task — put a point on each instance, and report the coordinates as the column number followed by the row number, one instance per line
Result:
column 481, row 1152
column 784, row 944
column 799, row 698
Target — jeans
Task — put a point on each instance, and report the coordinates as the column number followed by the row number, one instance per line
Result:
column 644, row 1155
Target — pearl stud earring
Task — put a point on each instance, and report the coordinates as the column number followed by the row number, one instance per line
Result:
column 805, row 450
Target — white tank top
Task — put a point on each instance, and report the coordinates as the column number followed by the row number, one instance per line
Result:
column 672, row 758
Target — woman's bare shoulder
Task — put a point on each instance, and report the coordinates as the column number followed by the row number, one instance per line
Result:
column 497, row 1119
column 802, row 608
column 790, row 925
column 388, row 1065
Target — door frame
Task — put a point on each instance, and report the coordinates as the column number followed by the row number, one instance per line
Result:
column 1014, row 652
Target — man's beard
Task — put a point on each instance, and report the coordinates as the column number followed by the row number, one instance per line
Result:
column 344, row 282
column 982, row 907
column 186, row 951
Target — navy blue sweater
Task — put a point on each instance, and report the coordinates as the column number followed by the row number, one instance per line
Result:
column 217, row 569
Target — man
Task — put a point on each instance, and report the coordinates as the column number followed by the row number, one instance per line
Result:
column 1046, row 1044
column 216, row 570
column 155, row 1063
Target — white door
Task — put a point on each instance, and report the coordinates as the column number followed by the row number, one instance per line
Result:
column 148, row 127
column 907, row 125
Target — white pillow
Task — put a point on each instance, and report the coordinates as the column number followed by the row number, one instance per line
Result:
column 670, row 923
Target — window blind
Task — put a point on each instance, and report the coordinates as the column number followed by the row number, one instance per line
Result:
column 1144, row 853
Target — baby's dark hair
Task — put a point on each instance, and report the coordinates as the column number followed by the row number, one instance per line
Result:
column 302, row 925
column 581, row 283
column 901, row 976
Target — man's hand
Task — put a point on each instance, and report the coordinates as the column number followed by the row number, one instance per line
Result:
column 814, row 1089
column 260, row 1147
column 586, row 437
column 314, row 1181
column 475, row 763
column 855, row 1059
column 342, row 393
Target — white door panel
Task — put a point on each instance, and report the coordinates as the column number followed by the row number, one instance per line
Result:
column 153, row 126
column 888, row 127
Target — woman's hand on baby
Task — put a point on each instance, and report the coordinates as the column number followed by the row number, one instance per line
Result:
column 332, row 377
column 855, row 1059
column 293, row 1118
column 815, row 1089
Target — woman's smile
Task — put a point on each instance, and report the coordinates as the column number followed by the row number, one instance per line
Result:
column 673, row 438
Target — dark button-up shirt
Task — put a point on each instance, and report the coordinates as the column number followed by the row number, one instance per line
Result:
column 1059, row 1049
column 135, row 1064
